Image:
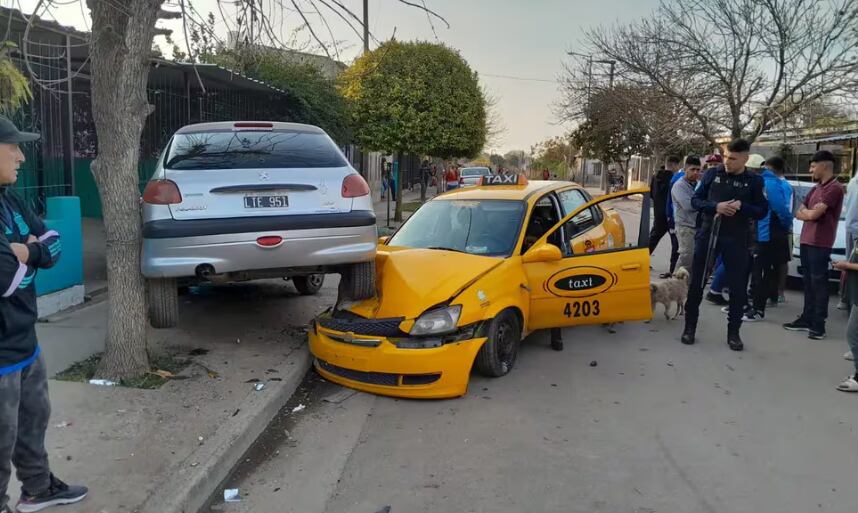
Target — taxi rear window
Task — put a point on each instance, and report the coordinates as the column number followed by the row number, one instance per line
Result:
column 478, row 227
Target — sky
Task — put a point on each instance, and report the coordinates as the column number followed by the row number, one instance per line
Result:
column 526, row 39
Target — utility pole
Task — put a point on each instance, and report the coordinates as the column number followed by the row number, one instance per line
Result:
column 365, row 26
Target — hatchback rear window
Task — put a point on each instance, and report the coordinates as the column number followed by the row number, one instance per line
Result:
column 247, row 149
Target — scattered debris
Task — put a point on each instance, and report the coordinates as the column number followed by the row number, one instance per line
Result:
column 271, row 371
column 259, row 386
column 200, row 440
column 252, row 380
column 554, row 384
column 385, row 509
column 643, row 349
column 340, row 396
column 298, row 408
column 670, row 364
column 198, row 352
column 162, row 373
column 68, row 457
column 276, row 379
column 236, row 412
column 64, row 424
column 194, row 464
column 103, row 382
column 231, row 495
column 594, row 363
column 731, row 368
column 277, row 489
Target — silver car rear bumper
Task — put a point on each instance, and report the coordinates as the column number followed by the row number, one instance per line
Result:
column 179, row 257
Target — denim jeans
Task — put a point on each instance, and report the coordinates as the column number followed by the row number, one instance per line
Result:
column 815, row 261
column 24, row 413
column 719, row 277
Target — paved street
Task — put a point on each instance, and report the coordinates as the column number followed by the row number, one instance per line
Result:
column 625, row 422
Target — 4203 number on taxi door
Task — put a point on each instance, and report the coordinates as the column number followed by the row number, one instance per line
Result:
column 582, row 309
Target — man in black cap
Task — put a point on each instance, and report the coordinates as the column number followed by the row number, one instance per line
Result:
column 25, row 408
column 820, row 213
column 736, row 197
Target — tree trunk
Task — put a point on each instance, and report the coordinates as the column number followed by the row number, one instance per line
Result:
column 398, row 213
column 122, row 34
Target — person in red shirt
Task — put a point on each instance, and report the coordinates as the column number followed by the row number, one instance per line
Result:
column 452, row 177
column 820, row 212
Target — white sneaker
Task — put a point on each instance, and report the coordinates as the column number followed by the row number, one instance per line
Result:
column 849, row 356
column 842, row 305
column 849, row 385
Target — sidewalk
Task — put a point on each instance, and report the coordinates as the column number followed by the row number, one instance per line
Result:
column 380, row 208
column 167, row 450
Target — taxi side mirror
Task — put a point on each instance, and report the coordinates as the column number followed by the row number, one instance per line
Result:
column 383, row 240
column 544, row 253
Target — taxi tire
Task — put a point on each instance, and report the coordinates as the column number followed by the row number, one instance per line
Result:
column 163, row 303
column 357, row 281
column 309, row 285
column 488, row 361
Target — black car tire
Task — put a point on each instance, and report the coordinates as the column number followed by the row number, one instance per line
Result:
column 498, row 354
column 358, row 281
column 309, row 285
column 163, row 303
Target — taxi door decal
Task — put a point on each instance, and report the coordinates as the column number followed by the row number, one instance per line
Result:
column 580, row 281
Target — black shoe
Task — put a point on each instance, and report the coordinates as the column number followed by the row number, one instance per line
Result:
column 688, row 336
column 57, row 494
column 717, row 299
column 557, row 345
column 816, row 335
column 735, row 342
column 797, row 325
column 752, row 315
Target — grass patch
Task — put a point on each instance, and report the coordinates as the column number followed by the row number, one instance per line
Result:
column 84, row 370
column 411, row 206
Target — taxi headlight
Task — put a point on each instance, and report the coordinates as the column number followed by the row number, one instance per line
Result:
column 437, row 321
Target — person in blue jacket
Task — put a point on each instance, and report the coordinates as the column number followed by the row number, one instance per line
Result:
column 25, row 247
column 773, row 232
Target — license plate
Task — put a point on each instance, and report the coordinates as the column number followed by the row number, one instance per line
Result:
column 266, row 202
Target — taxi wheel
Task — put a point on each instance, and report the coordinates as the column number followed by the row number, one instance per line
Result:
column 498, row 354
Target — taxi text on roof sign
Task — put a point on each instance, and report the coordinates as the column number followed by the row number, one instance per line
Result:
column 493, row 180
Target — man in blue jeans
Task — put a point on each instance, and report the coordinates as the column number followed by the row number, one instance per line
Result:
column 820, row 212
column 25, row 246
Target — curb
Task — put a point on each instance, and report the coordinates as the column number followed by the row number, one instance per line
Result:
column 186, row 489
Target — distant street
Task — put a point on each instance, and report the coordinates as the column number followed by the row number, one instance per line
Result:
column 625, row 422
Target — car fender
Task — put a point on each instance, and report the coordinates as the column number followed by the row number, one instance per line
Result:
column 502, row 288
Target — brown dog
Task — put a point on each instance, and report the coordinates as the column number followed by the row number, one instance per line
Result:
column 669, row 291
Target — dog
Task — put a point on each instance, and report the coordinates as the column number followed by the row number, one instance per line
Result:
column 669, row 291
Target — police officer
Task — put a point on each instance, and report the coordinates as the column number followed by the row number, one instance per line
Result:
column 736, row 196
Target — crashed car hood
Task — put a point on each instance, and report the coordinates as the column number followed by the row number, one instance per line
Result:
column 413, row 280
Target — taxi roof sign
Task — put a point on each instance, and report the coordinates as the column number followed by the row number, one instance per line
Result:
column 503, row 180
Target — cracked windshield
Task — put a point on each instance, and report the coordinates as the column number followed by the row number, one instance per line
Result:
column 402, row 256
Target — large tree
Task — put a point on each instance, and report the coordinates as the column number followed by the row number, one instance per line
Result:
column 416, row 97
column 736, row 66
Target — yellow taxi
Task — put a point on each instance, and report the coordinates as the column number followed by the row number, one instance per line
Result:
column 472, row 273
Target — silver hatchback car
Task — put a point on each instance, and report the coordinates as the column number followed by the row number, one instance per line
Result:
column 235, row 201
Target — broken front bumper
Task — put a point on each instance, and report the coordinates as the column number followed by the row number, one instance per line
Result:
column 396, row 366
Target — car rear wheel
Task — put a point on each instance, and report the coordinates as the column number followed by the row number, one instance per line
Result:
column 358, row 281
column 309, row 285
column 498, row 354
column 163, row 303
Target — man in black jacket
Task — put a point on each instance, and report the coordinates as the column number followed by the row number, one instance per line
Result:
column 736, row 196
column 25, row 246
column 659, row 190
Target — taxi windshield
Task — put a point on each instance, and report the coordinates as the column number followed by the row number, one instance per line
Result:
column 484, row 227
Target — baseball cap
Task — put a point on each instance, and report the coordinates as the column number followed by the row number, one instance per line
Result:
column 10, row 134
column 755, row 161
column 714, row 158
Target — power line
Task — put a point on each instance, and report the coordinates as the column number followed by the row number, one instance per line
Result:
column 526, row 79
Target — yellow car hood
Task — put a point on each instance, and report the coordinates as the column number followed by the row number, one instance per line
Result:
column 413, row 280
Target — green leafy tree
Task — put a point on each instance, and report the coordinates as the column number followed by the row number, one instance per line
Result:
column 14, row 88
column 416, row 97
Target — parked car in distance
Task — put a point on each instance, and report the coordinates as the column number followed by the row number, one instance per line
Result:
column 838, row 251
column 471, row 176
column 236, row 201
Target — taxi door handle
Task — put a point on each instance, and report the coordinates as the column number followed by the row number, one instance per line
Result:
column 631, row 267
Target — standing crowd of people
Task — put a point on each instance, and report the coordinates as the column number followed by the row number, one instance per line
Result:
column 730, row 218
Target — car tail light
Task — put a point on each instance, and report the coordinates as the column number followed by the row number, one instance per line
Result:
column 355, row 186
column 162, row 192
column 269, row 241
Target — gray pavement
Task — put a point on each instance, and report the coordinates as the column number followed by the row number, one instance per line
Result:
column 654, row 426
